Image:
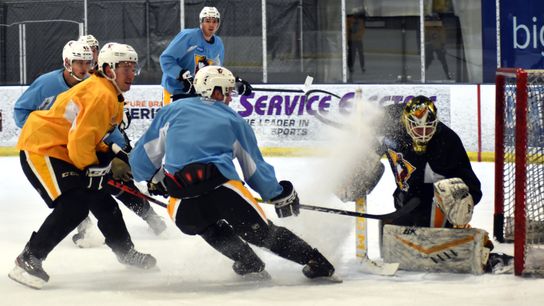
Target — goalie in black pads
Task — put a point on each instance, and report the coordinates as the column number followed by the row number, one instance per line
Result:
column 187, row 153
column 435, row 185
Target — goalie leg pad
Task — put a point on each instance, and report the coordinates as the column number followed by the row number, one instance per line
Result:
column 436, row 249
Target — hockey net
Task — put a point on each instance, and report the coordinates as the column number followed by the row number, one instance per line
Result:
column 519, row 166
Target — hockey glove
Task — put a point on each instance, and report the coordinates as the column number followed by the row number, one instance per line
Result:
column 125, row 122
column 243, row 87
column 120, row 170
column 157, row 186
column 186, row 80
column 287, row 203
column 452, row 197
column 96, row 176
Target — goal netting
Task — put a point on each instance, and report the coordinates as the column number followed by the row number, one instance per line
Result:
column 519, row 166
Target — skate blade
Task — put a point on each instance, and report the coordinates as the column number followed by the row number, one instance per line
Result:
column 333, row 279
column 90, row 240
column 143, row 269
column 19, row 275
column 371, row 267
column 257, row 276
column 508, row 269
column 88, row 243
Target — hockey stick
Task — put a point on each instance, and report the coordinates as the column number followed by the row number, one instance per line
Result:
column 406, row 209
column 135, row 192
column 306, row 89
column 318, row 116
column 277, row 90
column 307, row 83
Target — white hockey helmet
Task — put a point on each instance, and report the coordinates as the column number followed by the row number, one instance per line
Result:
column 208, row 78
column 90, row 40
column 75, row 50
column 209, row 12
column 114, row 53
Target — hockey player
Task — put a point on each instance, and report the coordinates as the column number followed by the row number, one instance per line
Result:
column 95, row 47
column 41, row 94
column 422, row 151
column 77, row 61
column 189, row 51
column 435, row 179
column 188, row 151
column 141, row 207
column 65, row 160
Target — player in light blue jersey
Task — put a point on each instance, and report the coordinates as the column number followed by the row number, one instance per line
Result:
column 189, row 51
column 77, row 59
column 187, row 153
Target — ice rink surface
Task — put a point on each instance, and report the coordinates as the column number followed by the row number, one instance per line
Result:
column 192, row 273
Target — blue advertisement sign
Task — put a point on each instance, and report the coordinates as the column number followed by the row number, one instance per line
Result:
column 522, row 34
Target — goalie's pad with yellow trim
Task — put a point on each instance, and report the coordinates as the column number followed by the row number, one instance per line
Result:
column 436, row 249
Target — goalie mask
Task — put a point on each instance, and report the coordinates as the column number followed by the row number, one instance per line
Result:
column 76, row 51
column 420, row 120
column 209, row 78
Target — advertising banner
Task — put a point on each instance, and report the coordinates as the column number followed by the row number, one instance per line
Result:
column 522, row 34
column 279, row 119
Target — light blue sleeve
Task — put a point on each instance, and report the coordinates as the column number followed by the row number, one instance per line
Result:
column 41, row 94
column 259, row 175
column 146, row 157
column 169, row 58
column 117, row 137
column 222, row 53
column 26, row 104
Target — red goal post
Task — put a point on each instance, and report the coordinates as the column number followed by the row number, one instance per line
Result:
column 519, row 166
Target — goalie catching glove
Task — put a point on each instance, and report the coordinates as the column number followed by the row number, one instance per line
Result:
column 360, row 183
column 287, row 203
column 453, row 198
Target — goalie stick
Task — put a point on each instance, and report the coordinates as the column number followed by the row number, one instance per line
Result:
column 367, row 265
column 406, row 209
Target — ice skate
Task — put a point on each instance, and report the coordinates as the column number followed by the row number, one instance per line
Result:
column 320, row 269
column 87, row 235
column 155, row 222
column 500, row 263
column 136, row 259
column 28, row 271
column 251, row 272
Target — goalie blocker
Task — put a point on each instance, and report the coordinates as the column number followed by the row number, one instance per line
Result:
column 436, row 249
